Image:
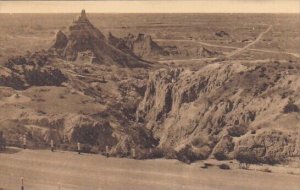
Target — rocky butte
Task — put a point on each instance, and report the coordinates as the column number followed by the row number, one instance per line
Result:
column 86, row 44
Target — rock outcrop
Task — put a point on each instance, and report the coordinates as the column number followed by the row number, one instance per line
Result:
column 222, row 34
column 141, row 46
column 33, row 70
column 11, row 79
column 83, row 39
column 199, row 51
column 222, row 110
column 61, row 40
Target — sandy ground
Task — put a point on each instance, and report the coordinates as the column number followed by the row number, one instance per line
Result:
column 68, row 170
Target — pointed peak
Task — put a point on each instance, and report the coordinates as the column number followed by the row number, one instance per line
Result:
column 83, row 13
column 82, row 17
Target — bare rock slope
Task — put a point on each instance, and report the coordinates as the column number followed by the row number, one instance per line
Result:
column 84, row 40
column 141, row 46
column 226, row 111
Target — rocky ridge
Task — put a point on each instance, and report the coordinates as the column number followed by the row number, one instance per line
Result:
column 226, row 111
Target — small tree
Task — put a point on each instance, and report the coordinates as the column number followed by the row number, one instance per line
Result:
column 291, row 107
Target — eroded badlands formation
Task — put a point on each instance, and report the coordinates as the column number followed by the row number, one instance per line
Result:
column 101, row 92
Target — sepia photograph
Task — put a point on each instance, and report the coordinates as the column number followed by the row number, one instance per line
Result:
column 150, row 95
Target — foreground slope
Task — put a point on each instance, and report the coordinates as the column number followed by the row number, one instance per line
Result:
column 92, row 104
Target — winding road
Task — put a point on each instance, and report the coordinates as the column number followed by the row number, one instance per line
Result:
column 250, row 44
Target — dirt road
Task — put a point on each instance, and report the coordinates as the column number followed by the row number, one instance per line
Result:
column 237, row 50
column 42, row 169
column 250, row 44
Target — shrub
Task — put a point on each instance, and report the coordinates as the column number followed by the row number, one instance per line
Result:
column 220, row 156
column 252, row 158
column 224, row 167
column 291, row 107
column 237, row 130
column 247, row 157
column 187, row 155
column 272, row 160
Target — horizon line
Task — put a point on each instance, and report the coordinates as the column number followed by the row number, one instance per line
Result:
column 151, row 13
column 152, row 6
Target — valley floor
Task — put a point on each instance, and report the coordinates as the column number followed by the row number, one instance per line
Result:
column 45, row 170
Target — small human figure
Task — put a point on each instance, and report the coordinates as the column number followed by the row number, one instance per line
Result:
column 78, row 147
column 24, row 141
column 52, row 145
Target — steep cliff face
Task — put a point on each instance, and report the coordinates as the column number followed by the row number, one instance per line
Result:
column 225, row 110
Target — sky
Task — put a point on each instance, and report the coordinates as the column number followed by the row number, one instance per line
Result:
column 151, row 6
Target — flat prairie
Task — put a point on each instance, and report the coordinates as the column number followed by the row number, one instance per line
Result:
column 28, row 32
